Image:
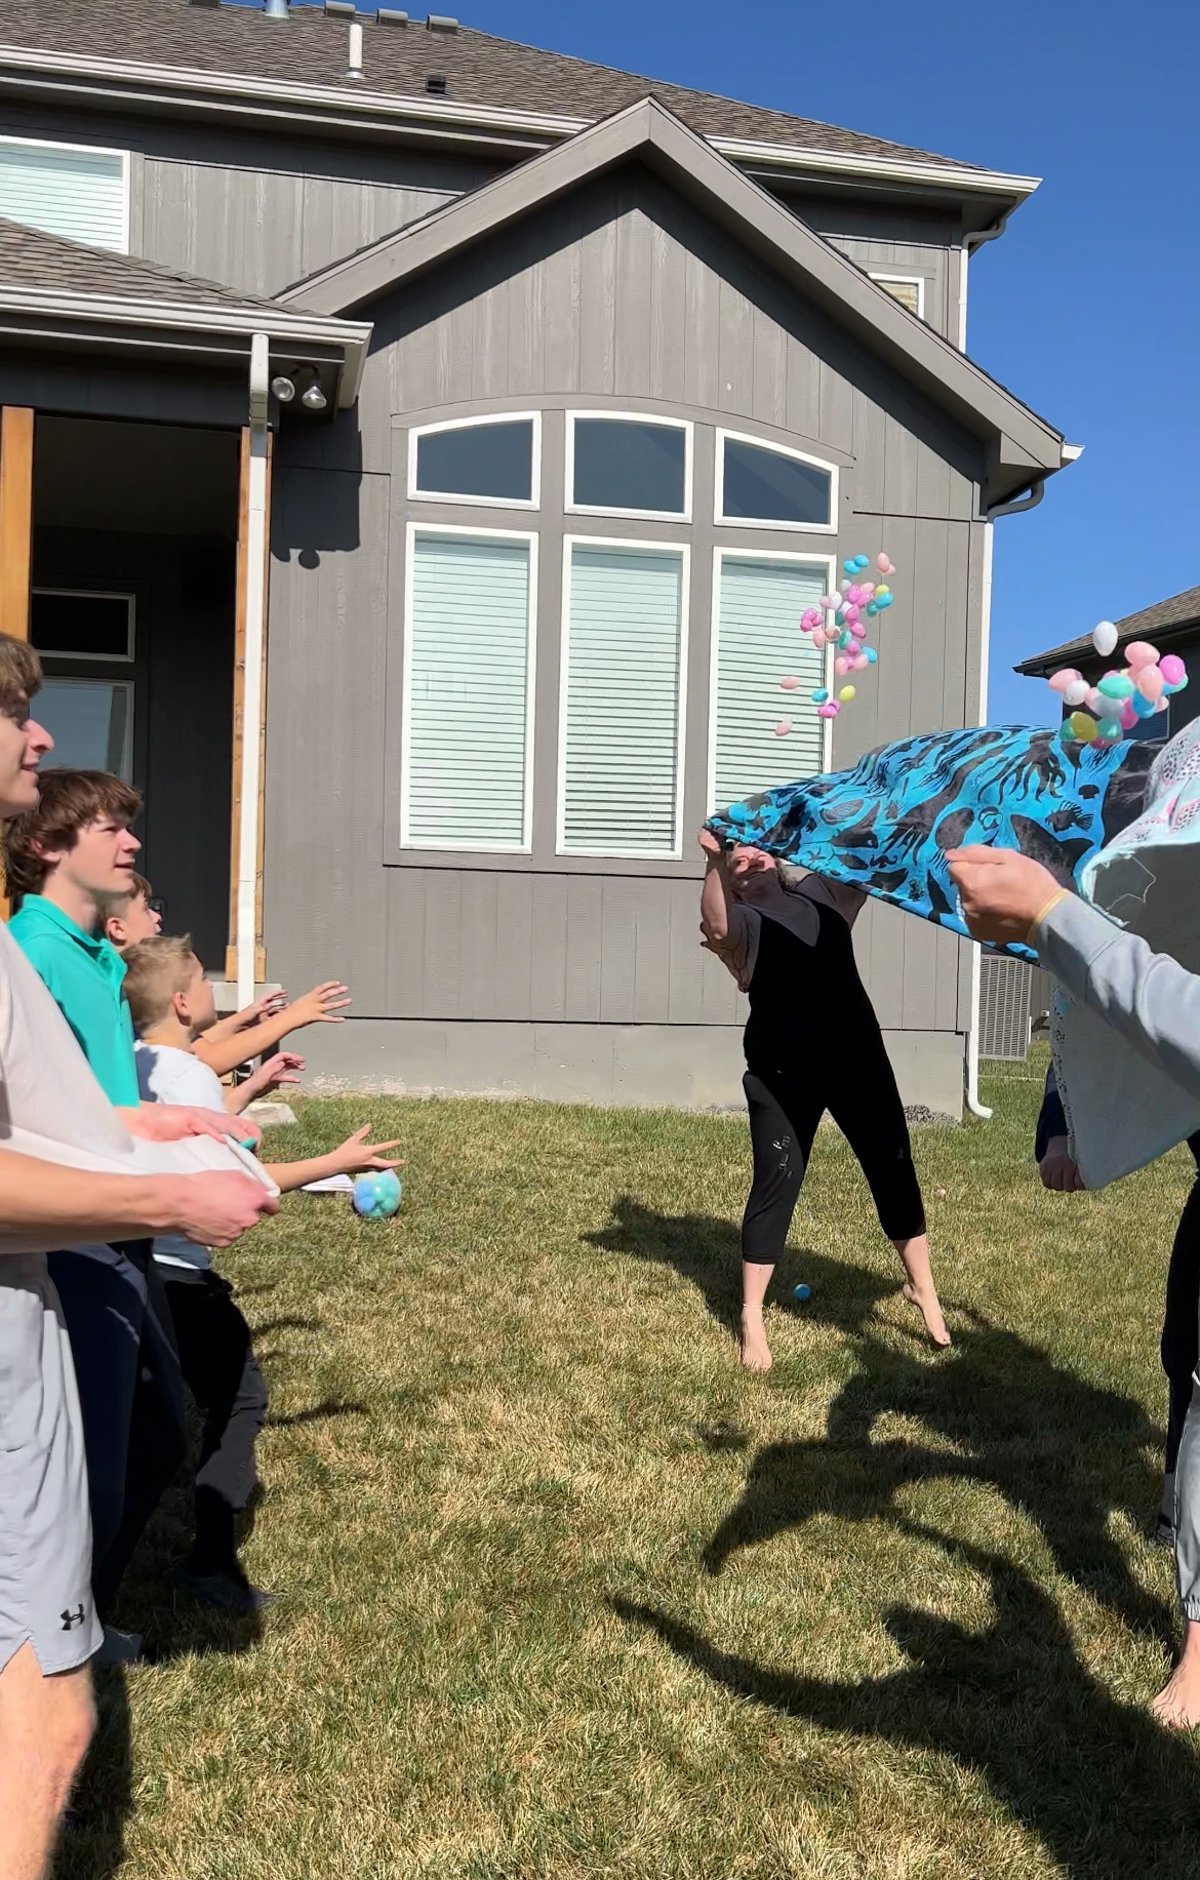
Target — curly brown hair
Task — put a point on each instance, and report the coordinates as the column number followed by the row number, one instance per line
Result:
column 70, row 800
column 20, row 672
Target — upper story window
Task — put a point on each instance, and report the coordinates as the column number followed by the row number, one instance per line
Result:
column 908, row 289
column 494, row 461
column 620, row 465
column 70, row 623
column 768, row 486
column 70, row 190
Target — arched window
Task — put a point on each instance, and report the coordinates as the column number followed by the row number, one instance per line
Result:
column 495, row 461
column 768, row 486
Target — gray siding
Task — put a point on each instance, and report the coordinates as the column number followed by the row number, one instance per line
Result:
column 896, row 241
column 622, row 296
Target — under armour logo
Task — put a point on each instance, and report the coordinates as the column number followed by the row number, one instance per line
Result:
column 71, row 1619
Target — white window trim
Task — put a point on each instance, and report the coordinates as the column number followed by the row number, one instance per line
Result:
column 533, row 501
column 91, row 150
column 629, row 545
column 829, row 563
column 530, row 537
column 572, row 508
column 771, row 522
column 94, row 594
column 122, row 685
column 903, row 280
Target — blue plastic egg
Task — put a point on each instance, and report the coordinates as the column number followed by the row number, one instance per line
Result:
column 802, row 1292
column 870, row 654
column 377, row 1195
column 820, row 698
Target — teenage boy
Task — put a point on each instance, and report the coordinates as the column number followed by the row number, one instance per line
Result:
column 171, row 1003
column 67, row 858
column 254, row 1031
column 69, row 1170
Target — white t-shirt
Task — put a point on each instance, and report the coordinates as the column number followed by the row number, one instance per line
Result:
column 167, row 1074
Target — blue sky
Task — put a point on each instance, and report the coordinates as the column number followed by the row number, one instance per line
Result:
column 1088, row 307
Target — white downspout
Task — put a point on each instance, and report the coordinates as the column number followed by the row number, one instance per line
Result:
column 985, row 643
column 254, row 676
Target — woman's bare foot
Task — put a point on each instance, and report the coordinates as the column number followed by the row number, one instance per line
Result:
column 1178, row 1703
column 926, row 1302
column 756, row 1353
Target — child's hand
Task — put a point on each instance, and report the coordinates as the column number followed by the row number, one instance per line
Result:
column 356, row 1155
column 324, row 1005
column 266, row 1007
column 278, row 1070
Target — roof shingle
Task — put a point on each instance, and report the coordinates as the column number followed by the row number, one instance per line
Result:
column 31, row 259
column 1164, row 617
column 311, row 48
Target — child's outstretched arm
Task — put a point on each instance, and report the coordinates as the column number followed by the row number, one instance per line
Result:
column 271, row 1073
column 266, row 1007
column 356, row 1156
column 324, row 1005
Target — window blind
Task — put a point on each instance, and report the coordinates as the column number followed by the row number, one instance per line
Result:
column 759, row 642
column 78, row 194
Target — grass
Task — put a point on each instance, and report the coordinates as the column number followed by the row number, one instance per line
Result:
column 564, row 1593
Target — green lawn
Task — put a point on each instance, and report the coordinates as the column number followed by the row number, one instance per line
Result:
column 564, row 1593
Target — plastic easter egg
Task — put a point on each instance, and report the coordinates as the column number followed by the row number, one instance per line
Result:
column 1143, row 707
column 1172, row 669
column 841, row 665
column 1095, row 702
column 862, row 561
column 783, row 729
column 850, row 567
column 883, row 564
column 820, row 638
column 835, row 600
column 860, row 663
column 1083, row 728
column 829, row 710
column 1127, row 714
column 1179, row 686
column 844, row 638
column 1164, row 705
column 789, row 684
column 883, row 600
column 1066, row 676
column 839, row 619
column 1104, row 638
column 802, row 1292
column 870, row 655
column 820, row 697
column 846, row 694
column 1109, row 729
column 1150, row 683
column 881, row 590
column 1116, row 685
column 872, row 609
column 1140, row 654
column 377, row 1195
column 1076, row 692
column 826, row 601
column 854, row 649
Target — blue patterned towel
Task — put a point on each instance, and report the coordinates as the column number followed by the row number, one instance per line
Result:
column 886, row 825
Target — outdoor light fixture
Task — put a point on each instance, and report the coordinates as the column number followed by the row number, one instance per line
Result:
column 283, row 389
column 314, row 398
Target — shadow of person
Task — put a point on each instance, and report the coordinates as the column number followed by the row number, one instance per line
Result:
column 1107, row 1791
column 708, row 1253
column 1067, row 1453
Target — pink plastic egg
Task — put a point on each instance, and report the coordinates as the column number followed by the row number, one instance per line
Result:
column 820, row 638
column 860, row 663
column 1172, row 669
column 783, row 729
column 841, row 665
column 789, row 684
column 829, row 711
column 1150, row 683
column 1140, row 654
column 1059, row 681
column 1127, row 715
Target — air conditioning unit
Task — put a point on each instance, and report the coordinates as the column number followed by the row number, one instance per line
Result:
column 1005, row 1024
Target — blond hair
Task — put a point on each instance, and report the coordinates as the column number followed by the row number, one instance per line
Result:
column 156, row 971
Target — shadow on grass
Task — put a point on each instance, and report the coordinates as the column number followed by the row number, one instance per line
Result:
column 1064, row 1451
column 1107, row 1792
column 316, row 1413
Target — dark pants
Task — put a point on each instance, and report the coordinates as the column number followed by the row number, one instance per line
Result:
column 1180, row 1346
column 221, row 1371
column 857, row 1086
column 130, row 1395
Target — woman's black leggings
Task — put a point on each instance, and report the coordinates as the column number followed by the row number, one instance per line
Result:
column 1180, row 1336
column 857, row 1085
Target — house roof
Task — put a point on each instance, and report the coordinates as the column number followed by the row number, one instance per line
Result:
column 481, row 71
column 48, row 284
column 1165, row 621
column 1022, row 447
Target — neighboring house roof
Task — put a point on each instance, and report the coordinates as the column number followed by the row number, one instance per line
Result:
column 1023, row 448
column 1168, row 620
column 482, row 73
column 44, row 276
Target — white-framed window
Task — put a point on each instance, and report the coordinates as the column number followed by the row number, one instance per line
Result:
column 91, row 722
column 621, row 709
column 908, row 289
column 771, row 486
column 470, row 610
column 78, row 191
column 82, row 623
column 629, row 463
column 758, row 600
column 494, row 461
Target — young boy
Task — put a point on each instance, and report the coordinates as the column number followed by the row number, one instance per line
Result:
column 255, row 1030
column 69, row 1170
column 171, row 1002
column 68, row 856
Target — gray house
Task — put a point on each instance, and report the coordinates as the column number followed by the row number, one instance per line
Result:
column 1173, row 626
column 417, row 452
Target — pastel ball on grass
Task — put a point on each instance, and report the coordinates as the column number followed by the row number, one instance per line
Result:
column 377, row 1195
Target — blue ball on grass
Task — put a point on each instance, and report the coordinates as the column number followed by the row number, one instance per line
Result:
column 802, row 1292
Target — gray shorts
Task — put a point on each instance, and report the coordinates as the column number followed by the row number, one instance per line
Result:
column 45, row 1528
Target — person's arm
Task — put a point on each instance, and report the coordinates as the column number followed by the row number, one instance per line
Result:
column 275, row 1071
column 727, row 928
column 266, row 1007
column 1052, row 1144
column 44, row 1206
column 172, row 1122
column 324, row 1005
column 356, row 1156
column 1147, row 997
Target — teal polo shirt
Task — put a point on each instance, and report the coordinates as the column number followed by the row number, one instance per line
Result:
column 85, row 975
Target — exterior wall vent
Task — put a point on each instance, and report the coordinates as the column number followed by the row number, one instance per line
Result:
column 1004, row 1019
column 436, row 85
